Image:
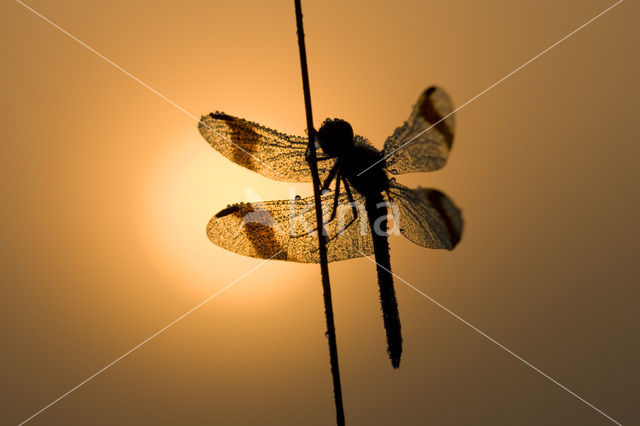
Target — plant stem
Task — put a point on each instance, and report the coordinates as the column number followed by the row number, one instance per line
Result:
column 322, row 245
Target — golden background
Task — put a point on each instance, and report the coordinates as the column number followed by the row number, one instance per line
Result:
column 107, row 190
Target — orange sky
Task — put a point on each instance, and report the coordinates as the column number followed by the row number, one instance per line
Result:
column 108, row 188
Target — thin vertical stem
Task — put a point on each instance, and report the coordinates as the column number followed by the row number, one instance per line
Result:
column 322, row 244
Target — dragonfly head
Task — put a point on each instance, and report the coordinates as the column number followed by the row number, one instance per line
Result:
column 335, row 137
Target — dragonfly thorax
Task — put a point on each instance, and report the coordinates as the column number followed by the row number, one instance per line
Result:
column 354, row 155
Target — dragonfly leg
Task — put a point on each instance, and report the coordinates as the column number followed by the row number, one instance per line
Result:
column 350, row 197
column 336, row 199
column 335, row 208
column 332, row 174
column 353, row 207
column 351, row 202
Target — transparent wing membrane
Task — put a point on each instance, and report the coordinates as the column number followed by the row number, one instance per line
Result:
column 430, row 149
column 258, row 148
column 288, row 227
column 426, row 216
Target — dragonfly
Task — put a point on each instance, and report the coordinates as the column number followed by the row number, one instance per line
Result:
column 359, row 194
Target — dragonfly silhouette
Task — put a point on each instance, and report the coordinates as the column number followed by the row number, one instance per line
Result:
column 281, row 229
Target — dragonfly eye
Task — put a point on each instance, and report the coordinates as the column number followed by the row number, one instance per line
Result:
column 335, row 136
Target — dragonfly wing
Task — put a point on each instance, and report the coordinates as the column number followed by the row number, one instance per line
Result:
column 258, row 148
column 286, row 229
column 426, row 216
column 423, row 143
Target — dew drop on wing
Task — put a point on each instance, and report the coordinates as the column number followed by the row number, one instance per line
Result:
column 298, row 198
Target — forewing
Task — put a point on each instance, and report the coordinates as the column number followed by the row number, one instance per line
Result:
column 263, row 150
column 423, row 143
column 426, row 216
column 286, row 230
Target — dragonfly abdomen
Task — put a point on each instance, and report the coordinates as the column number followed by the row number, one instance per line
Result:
column 376, row 210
